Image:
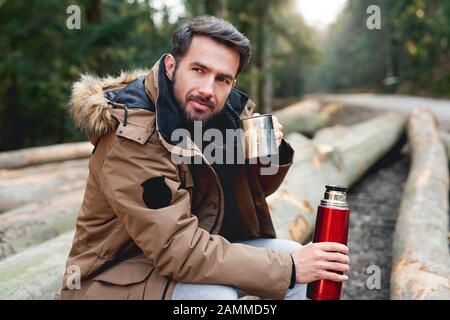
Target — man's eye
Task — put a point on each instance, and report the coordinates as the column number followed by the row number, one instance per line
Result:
column 223, row 80
column 198, row 70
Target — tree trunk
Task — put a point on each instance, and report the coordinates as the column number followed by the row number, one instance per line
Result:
column 306, row 116
column 267, row 73
column 39, row 155
column 37, row 273
column 216, row 8
column 37, row 183
column 35, row 223
column 94, row 13
column 259, row 52
column 421, row 261
column 332, row 159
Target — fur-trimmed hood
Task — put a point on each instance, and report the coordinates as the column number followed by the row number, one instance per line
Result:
column 90, row 109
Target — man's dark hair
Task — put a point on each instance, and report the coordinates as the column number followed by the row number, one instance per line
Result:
column 216, row 29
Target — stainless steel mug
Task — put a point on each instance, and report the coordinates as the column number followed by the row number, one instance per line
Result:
column 258, row 136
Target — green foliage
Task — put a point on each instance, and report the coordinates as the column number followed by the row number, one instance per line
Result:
column 40, row 57
column 413, row 45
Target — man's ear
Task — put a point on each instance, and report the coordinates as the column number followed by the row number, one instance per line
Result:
column 170, row 64
column 234, row 83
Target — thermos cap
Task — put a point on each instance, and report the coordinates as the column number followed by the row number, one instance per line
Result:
column 335, row 196
column 335, row 187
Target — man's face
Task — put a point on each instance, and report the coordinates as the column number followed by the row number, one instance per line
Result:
column 204, row 77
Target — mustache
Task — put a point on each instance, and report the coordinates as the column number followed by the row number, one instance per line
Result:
column 199, row 99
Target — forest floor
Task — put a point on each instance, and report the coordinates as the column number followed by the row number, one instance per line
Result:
column 374, row 202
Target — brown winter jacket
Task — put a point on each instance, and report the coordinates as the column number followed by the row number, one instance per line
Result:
column 145, row 222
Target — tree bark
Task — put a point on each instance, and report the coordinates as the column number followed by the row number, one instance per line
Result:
column 37, row 273
column 35, row 223
column 39, row 155
column 421, row 261
column 341, row 159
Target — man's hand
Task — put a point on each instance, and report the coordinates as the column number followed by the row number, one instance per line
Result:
column 277, row 127
column 316, row 261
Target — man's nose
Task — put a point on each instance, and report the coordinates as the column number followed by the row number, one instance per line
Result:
column 207, row 88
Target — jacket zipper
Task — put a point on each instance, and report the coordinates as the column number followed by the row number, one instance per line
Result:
column 216, row 221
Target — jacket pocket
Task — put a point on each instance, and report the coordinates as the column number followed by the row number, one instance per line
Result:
column 123, row 281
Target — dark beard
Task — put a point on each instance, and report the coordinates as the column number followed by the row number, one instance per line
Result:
column 187, row 119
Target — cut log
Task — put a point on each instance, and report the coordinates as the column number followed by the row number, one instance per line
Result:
column 41, row 169
column 306, row 117
column 38, row 155
column 38, row 222
column 332, row 159
column 35, row 184
column 421, row 261
column 37, row 273
column 392, row 103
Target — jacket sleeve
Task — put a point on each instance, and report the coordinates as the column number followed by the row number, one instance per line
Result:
column 271, row 182
column 168, row 233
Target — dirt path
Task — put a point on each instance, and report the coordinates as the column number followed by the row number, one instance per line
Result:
column 374, row 201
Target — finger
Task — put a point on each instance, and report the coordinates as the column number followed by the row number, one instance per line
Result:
column 276, row 123
column 278, row 134
column 278, row 140
column 275, row 120
column 327, row 275
column 333, row 247
column 256, row 114
column 335, row 266
column 337, row 257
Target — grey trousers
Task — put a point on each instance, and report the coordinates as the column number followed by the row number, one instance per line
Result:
column 187, row 291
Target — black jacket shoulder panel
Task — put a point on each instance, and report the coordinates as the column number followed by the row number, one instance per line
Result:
column 133, row 95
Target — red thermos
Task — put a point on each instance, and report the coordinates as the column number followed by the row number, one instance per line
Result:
column 331, row 226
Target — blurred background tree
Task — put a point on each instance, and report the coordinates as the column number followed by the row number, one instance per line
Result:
column 409, row 54
column 40, row 57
